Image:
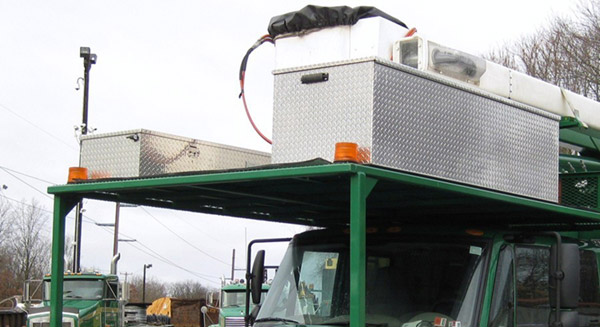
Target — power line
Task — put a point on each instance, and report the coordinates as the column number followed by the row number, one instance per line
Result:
column 42, row 209
column 183, row 239
column 38, row 127
column 30, row 176
column 169, row 262
column 195, row 227
column 24, row 182
column 156, row 256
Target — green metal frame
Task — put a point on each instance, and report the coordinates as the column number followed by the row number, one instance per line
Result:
column 324, row 195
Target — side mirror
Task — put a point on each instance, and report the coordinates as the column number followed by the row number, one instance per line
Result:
column 258, row 271
column 210, row 298
column 569, row 271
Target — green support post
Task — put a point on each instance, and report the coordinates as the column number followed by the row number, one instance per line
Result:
column 360, row 188
column 61, row 208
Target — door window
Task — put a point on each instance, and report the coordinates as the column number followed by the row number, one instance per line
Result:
column 503, row 301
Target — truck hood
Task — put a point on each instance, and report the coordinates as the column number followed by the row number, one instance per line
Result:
column 84, row 306
column 80, row 307
column 233, row 311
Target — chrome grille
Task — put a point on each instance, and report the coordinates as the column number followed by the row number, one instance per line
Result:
column 234, row 322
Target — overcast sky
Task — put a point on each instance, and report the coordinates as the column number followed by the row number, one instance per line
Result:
column 171, row 66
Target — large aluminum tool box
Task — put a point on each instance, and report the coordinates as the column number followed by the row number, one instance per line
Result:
column 417, row 122
column 147, row 153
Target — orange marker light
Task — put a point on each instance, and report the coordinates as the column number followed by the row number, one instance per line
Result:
column 474, row 232
column 346, row 151
column 77, row 173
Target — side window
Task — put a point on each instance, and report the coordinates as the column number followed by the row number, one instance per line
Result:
column 112, row 290
column 589, row 293
column 533, row 307
column 502, row 309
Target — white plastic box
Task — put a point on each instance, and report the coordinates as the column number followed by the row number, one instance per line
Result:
column 369, row 37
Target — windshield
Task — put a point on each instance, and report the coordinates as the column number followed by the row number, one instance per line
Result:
column 78, row 289
column 238, row 298
column 408, row 284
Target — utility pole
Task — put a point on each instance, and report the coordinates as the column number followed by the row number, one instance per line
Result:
column 148, row 266
column 88, row 60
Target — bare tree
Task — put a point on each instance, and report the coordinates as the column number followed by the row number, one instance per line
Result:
column 188, row 289
column 154, row 289
column 566, row 52
column 31, row 248
column 8, row 283
column 5, row 227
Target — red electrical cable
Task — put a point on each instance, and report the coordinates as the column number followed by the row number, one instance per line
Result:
column 248, row 112
column 411, row 32
column 263, row 39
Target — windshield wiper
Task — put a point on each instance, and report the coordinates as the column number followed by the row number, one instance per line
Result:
column 290, row 321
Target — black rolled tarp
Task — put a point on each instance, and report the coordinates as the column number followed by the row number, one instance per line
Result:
column 311, row 17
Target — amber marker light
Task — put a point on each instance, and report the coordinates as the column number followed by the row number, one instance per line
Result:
column 474, row 232
column 346, row 151
column 76, row 174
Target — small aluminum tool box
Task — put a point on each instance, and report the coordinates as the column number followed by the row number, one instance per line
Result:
column 417, row 122
column 147, row 153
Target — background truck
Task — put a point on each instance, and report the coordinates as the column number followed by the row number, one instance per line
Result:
column 444, row 205
column 88, row 299
column 232, row 304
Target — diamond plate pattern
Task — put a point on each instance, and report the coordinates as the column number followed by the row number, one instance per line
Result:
column 340, row 108
column 417, row 124
column 142, row 152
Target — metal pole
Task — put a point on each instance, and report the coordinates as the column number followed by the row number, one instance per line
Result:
column 233, row 264
column 116, row 236
column 62, row 206
column 86, row 91
column 77, row 240
column 360, row 188
column 148, row 266
column 144, row 286
column 88, row 60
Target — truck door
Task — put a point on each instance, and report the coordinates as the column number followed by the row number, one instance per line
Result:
column 589, row 292
column 521, row 290
column 521, row 287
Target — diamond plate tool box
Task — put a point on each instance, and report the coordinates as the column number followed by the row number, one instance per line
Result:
column 141, row 153
column 417, row 122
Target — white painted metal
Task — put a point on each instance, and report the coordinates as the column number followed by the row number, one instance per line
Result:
column 517, row 86
column 369, row 37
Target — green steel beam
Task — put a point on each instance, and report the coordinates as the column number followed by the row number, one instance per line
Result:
column 107, row 189
column 62, row 206
column 407, row 178
column 223, row 177
column 360, row 187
